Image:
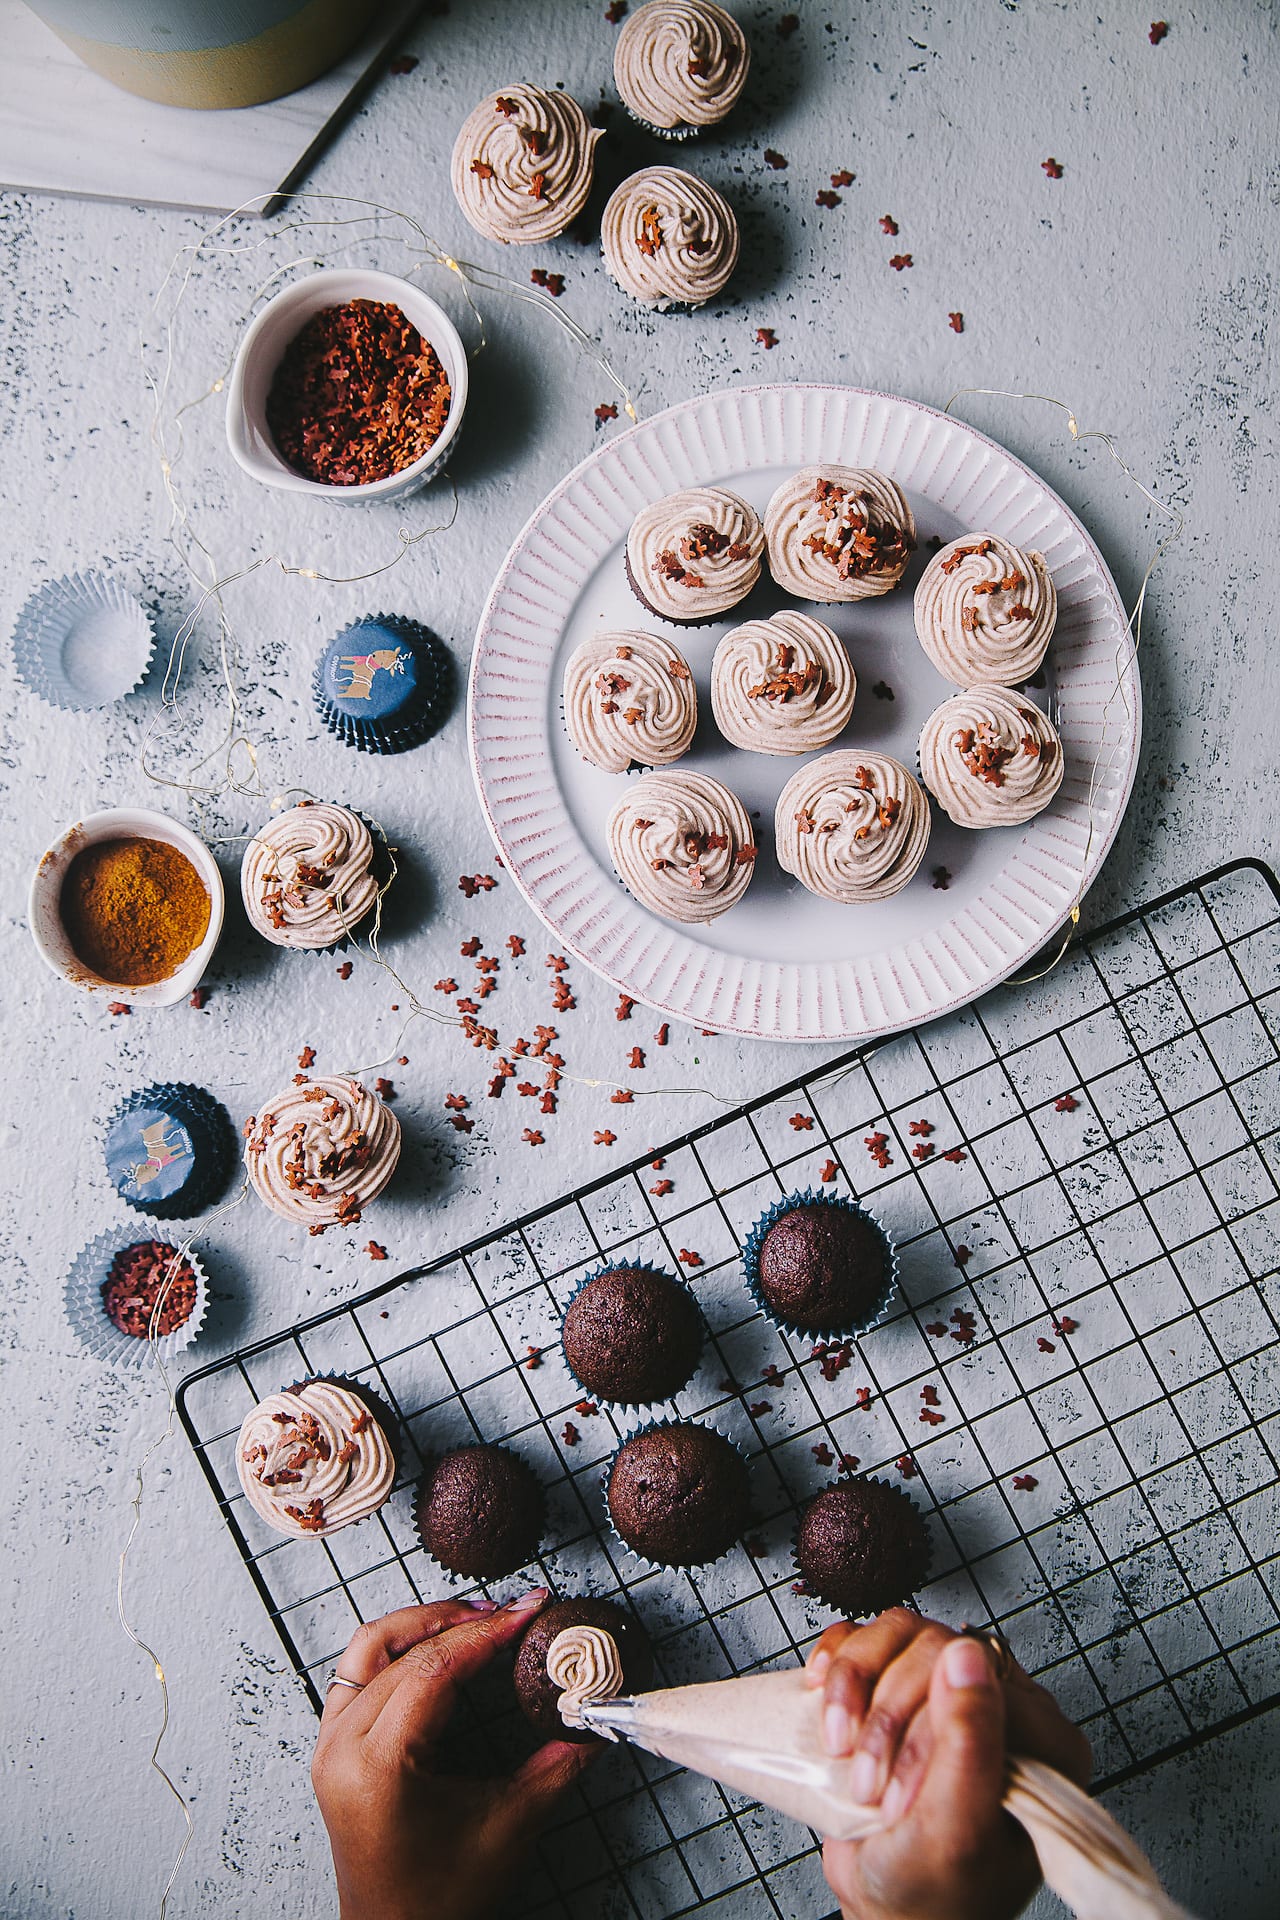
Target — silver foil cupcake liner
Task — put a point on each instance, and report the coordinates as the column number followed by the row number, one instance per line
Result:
column 82, row 642
column 926, row 1565
column 86, row 1312
column 636, row 1266
column 675, row 136
column 639, row 1559
column 751, row 1268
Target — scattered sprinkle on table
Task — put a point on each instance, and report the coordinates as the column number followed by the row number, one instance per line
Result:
column 774, row 159
column 767, row 338
column 1053, row 168
column 888, row 224
column 1158, row 30
column 900, row 260
column 956, row 322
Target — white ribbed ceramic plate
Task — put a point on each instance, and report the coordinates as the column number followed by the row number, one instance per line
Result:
column 784, row 965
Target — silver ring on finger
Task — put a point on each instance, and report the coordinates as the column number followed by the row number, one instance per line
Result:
column 340, row 1680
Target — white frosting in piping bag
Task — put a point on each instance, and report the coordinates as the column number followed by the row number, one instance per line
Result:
column 585, row 1664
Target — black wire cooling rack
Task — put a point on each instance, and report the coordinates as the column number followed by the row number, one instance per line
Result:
column 1078, row 1382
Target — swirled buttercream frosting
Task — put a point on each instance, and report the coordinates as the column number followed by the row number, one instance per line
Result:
column 668, row 238
column 852, row 826
column 629, row 697
column 985, row 611
column 523, row 163
column 585, row 1664
column 306, row 876
column 783, row 685
column 319, row 1152
column 682, row 844
column 694, row 554
column 838, row 533
column 680, row 64
column 990, row 758
column 313, row 1459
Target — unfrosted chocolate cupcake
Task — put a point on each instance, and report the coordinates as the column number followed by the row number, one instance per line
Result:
column 862, row 1546
column 632, row 1335
column 820, row 1266
column 537, row 1692
column 479, row 1511
column 678, row 1494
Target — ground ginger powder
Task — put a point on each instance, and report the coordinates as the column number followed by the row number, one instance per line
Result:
column 133, row 910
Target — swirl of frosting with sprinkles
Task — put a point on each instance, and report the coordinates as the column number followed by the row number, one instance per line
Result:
column 680, row 64
column 783, row 685
column 990, row 758
column 682, row 844
column 313, row 1459
column 852, row 826
column 985, row 611
column 694, row 554
column 321, row 1150
column 669, row 239
column 306, row 876
column 839, row 533
column 629, row 698
column 523, row 164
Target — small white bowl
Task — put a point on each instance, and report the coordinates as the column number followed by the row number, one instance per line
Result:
column 262, row 349
column 45, row 920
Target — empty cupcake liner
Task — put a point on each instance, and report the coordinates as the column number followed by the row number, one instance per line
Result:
column 82, row 642
column 381, row 870
column 484, row 1580
column 145, row 1162
column 639, row 1266
column 87, row 1316
column 639, row 1559
column 386, row 731
column 751, row 1267
column 926, row 1561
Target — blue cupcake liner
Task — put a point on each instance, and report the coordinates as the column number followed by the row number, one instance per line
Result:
column 87, row 1316
column 638, row 1266
column 82, row 642
column 385, row 725
column 751, row 1267
column 639, row 1559
column 145, row 1166
column 380, row 867
column 926, row 1565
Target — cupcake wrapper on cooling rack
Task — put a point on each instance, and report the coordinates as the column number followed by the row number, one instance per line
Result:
column 751, row 1268
column 922, row 1572
column 82, row 642
column 87, row 1316
column 639, row 1266
column 169, row 1150
column 384, row 684
column 639, row 1559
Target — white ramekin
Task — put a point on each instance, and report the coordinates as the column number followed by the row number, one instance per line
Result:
column 262, row 349
column 45, row 919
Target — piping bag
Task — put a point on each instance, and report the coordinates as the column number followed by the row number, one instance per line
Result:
column 760, row 1735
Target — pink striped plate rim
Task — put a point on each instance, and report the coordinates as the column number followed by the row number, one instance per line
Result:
column 783, row 964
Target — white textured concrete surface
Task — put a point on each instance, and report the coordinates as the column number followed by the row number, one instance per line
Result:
column 1140, row 287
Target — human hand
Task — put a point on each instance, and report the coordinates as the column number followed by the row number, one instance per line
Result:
column 409, row 1842
column 930, row 1724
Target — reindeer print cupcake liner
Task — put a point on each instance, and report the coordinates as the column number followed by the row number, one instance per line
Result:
column 384, row 684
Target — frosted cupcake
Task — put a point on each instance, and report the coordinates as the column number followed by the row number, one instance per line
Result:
column 838, row 533
column 319, row 1153
column 694, row 554
column 306, row 877
column 523, row 164
column 990, row 758
column 680, row 65
column 985, row 611
column 682, row 845
column 669, row 240
column 629, row 699
column 852, row 826
column 783, row 685
column 313, row 1459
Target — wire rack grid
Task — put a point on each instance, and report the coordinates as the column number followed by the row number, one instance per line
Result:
column 1078, row 1382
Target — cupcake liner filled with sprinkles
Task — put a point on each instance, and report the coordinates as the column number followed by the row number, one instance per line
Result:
column 82, row 642
column 824, row 1233
column 170, row 1150
column 384, row 684
column 732, row 1524
column 111, row 1293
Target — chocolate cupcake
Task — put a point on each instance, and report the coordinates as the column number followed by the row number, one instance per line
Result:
column 479, row 1511
column 862, row 1546
column 318, row 1153
column 838, row 533
column 632, row 1335
column 384, row 684
column 985, row 611
column 990, row 758
column 538, row 1693
column 307, row 878
column 669, row 239
column 523, row 164
column 820, row 1267
column 629, row 700
column 678, row 1494
column 693, row 555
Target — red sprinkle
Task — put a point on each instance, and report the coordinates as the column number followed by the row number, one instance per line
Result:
column 532, row 1135
column 1045, row 1346
column 826, row 198
column 774, row 159
column 660, row 1037
column 689, row 1259
column 923, row 1127
column 802, row 1122
column 900, row 260
column 842, row 179
column 606, row 411
column 906, row 1466
column 637, row 1059
column 605, row 1138
column 345, row 970
column 962, row 1256
column 956, row 322
column 766, row 337
column 662, row 1188
column 1065, row 1103
column 1053, row 168
column 622, row 1098
column 936, row 1327
column 955, row 1154
column 888, row 224
column 757, row 1407
column 1025, row 1482
column 624, row 1006
column 119, row 1006
column 828, row 1172
column 570, row 1434
column 924, row 1151
column 1064, row 1326
column 375, row 1252
column 198, row 997
column 534, row 1361
column 823, row 1454
column 1158, row 30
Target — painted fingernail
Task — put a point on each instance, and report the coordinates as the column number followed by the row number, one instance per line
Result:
column 894, row 1802
column 837, row 1730
column 526, row 1602
column 964, row 1664
column 483, row 1606
column 816, row 1671
column 864, row 1778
